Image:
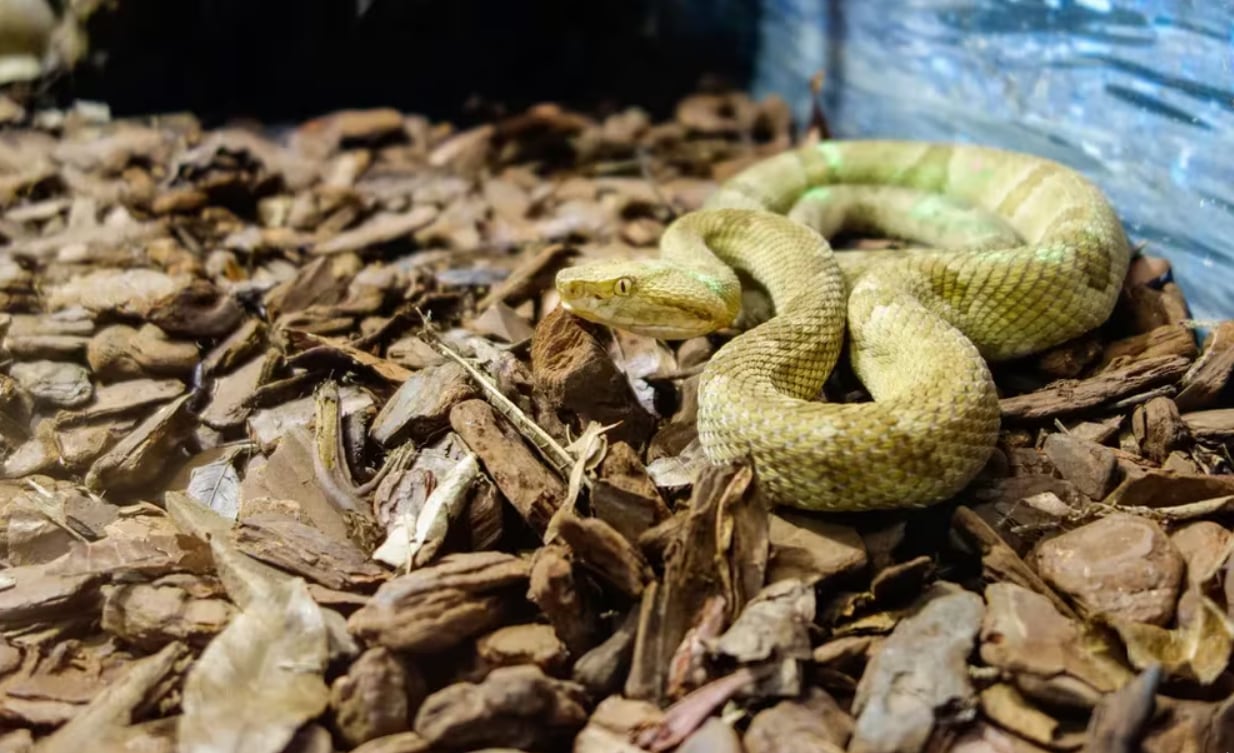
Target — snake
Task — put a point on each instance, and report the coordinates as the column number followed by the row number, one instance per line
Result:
column 1004, row 254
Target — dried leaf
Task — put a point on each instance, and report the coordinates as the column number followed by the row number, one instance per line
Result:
column 1199, row 649
column 260, row 679
column 217, row 486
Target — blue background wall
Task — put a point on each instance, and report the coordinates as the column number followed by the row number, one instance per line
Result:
column 1137, row 95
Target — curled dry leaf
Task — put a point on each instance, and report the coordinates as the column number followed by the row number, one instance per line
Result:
column 260, row 679
column 1198, row 649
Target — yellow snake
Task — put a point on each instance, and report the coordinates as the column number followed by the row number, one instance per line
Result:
column 1018, row 254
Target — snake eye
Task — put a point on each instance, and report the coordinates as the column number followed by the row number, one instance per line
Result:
column 623, row 286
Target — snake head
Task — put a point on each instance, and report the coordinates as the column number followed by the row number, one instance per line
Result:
column 652, row 298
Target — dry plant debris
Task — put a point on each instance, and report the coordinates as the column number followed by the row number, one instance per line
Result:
column 299, row 453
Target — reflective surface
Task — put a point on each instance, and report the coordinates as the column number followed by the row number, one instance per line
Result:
column 1137, row 95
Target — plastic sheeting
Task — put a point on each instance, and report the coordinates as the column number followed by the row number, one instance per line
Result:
column 1137, row 95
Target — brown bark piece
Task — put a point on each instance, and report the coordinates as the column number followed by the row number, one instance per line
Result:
column 571, row 367
column 122, row 352
column 38, row 596
column 1158, row 428
column 563, row 598
column 1066, row 397
column 535, row 491
column 1159, row 489
column 773, row 627
column 602, row 669
column 306, row 551
column 625, row 497
column 420, row 408
column 815, row 723
column 141, row 457
column 1000, row 562
column 442, row 605
column 1166, row 340
column 121, row 398
column 195, row 311
column 1211, row 375
column 1023, row 634
column 153, row 615
column 289, row 473
column 699, row 568
column 377, row 697
column 531, row 275
column 921, row 670
column 1206, row 547
column 513, row 706
column 501, row 323
column 54, row 383
column 1215, row 424
column 1120, row 566
column 606, row 553
column 713, row 736
column 513, row 645
column 1118, row 721
column 1090, row 466
column 403, row 742
column 230, row 394
column 812, row 550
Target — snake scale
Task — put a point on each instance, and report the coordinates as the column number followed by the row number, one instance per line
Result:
column 1014, row 254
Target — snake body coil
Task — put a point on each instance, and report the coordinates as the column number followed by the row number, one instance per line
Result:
column 1023, row 254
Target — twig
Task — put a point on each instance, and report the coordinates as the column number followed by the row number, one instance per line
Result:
column 558, row 458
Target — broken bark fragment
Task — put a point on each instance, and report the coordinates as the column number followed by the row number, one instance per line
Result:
column 516, row 706
column 1210, row 376
column 606, row 553
column 377, row 697
column 305, row 551
column 533, row 489
column 816, row 723
column 420, row 408
column 1158, row 428
column 920, row 672
column 572, row 369
column 523, row 644
column 1120, row 566
column 1069, row 396
column 439, row 606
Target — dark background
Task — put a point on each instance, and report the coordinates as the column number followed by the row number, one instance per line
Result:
column 285, row 60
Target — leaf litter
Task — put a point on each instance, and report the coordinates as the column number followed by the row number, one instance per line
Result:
column 299, row 452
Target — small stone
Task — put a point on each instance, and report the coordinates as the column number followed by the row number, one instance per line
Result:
column 1123, row 566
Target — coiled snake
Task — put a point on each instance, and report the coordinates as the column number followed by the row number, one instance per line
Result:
column 1020, row 254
